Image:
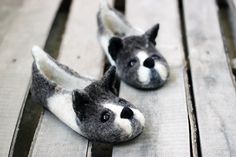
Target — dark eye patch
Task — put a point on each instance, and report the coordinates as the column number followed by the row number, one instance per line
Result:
column 105, row 116
column 132, row 62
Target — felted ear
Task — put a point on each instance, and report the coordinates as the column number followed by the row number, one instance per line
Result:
column 109, row 79
column 151, row 34
column 115, row 45
column 79, row 99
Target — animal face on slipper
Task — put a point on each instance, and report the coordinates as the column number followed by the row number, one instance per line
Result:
column 87, row 106
column 137, row 60
column 102, row 116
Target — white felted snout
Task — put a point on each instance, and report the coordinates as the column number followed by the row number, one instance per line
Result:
column 125, row 123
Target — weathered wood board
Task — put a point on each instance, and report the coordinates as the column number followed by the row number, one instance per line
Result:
column 31, row 26
column 167, row 131
column 233, row 3
column 8, row 12
column 213, row 85
column 24, row 23
column 81, row 52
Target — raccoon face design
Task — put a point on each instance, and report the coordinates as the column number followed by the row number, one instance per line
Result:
column 137, row 60
column 102, row 115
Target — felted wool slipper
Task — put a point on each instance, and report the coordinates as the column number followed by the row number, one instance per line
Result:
column 131, row 50
column 89, row 107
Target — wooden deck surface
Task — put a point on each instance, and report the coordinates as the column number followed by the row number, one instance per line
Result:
column 193, row 115
column 168, row 105
column 31, row 25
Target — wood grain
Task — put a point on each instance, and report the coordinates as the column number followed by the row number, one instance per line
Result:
column 8, row 12
column 31, row 26
column 167, row 131
column 81, row 52
column 213, row 85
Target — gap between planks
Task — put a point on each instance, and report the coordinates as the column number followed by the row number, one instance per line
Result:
column 193, row 125
column 33, row 111
column 213, row 85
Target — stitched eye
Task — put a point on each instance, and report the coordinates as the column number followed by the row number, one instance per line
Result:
column 132, row 62
column 105, row 116
column 155, row 57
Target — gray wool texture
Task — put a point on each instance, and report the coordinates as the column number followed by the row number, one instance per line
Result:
column 98, row 92
column 132, row 44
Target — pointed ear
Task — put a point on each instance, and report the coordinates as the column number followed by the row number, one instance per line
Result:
column 151, row 34
column 80, row 100
column 115, row 45
column 109, row 79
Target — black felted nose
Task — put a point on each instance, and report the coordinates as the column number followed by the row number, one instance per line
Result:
column 126, row 113
column 149, row 63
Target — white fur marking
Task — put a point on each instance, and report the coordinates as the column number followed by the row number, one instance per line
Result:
column 142, row 56
column 61, row 106
column 143, row 72
column 162, row 70
column 139, row 116
column 122, row 123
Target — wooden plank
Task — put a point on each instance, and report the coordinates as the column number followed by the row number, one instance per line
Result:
column 213, row 85
column 31, row 26
column 227, row 20
column 81, row 52
column 8, row 12
column 166, row 131
column 233, row 3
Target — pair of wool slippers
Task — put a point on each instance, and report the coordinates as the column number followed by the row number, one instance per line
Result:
column 90, row 107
